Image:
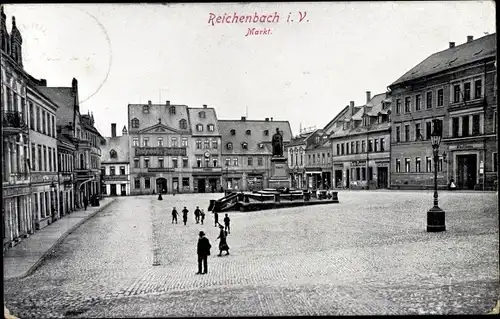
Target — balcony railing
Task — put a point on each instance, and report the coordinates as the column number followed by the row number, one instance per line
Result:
column 13, row 119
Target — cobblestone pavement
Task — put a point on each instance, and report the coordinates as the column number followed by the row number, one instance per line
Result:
column 368, row 255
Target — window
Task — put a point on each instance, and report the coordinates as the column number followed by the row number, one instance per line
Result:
column 184, row 142
column 135, row 141
column 428, row 130
column 370, row 146
column 478, row 88
column 342, row 148
column 244, row 145
column 112, row 171
column 160, row 141
column 184, row 162
column 362, row 146
column 32, row 116
column 495, row 162
column 266, row 132
column 407, row 104
column 440, row 164
column 146, row 141
column 338, row 149
column 418, row 135
column 215, row 144
column 137, row 183
column 198, row 144
column 202, row 114
column 417, row 164
column 135, row 123
column 182, row 123
column 171, row 110
column 357, row 147
column 233, row 132
column 160, row 163
column 145, row 109
column 215, row 162
column 175, row 162
column 407, row 133
column 103, row 171
column 146, row 162
column 211, row 127
column 352, row 147
column 429, row 100
column 112, row 154
column 44, row 127
column 407, row 165
column 475, row 124
column 207, row 144
column 229, row 146
column 147, row 182
column 417, row 102
column 467, row 88
column 382, row 142
column 375, row 148
column 185, row 182
column 398, row 106
column 398, row 166
column 259, row 161
column 45, row 166
column 322, row 158
column 50, row 159
column 199, row 127
column 137, row 163
column 456, row 93
column 228, row 161
column 314, row 159
column 398, row 134
column 33, row 157
column 465, row 125
column 440, row 101
column 38, row 123
column 250, row 161
column 235, row 161
column 248, row 132
column 428, row 164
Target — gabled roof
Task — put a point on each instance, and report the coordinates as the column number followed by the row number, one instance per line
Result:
column 159, row 128
column 62, row 96
column 158, row 111
column 210, row 118
column 453, row 57
column 120, row 145
column 256, row 137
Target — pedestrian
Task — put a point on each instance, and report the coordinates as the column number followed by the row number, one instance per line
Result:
column 203, row 253
column 216, row 218
column 223, row 246
column 185, row 212
column 226, row 224
column 85, row 202
column 174, row 215
column 197, row 213
column 202, row 214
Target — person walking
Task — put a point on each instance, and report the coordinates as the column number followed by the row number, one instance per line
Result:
column 197, row 213
column 216, row 218
column 203, row 253
column 185, row 212
column 223, row 246
column 174, row 215
column 226, row 224
column 85, row 202
column 202, row 214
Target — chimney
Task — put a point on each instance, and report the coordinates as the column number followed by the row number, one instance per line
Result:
column 168, row 103
column 470, row 38
column 267, row 119
column 149, row 102
column 368, row 96
column 43, row 82
column 452, row 45
column 243, row 118
column 74, row 85
column 113, row 129
column 204, row 106
column 351, row 107
column 271, row 119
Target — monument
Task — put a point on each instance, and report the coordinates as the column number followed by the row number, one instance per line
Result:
column 279, row 175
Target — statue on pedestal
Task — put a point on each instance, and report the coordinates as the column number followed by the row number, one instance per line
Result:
column 277, row 142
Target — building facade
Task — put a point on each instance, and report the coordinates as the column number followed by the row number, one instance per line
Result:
column 246, row 151
column 361, row 144
column 296, row 163
column 318, row 161
column 66, row 150
column 115, row 164
column 458, row 87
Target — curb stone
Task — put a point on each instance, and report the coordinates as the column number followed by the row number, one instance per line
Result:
column 63, row 236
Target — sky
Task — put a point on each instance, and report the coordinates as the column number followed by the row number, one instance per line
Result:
column 304, row 67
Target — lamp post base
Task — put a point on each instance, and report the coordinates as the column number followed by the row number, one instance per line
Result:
column 436, row 220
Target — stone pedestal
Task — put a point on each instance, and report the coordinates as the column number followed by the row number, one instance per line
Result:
column 279, row 175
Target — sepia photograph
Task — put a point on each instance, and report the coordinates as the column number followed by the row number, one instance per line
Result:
column 252, row 159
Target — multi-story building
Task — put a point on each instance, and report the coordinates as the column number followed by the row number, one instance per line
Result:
column 318, row 160
column 296, row 163
column 66, row 150
column 246, row 151
column 17, row 216
column 90, row 145
column 115, row 164
column 458, row 87
column 361, row 144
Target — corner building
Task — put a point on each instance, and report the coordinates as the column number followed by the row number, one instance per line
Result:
column 458, row 87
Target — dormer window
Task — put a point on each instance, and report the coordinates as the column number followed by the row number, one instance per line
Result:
column 112, row 154
column 248, row 132
column 229, row 146
column 202, row 114
column 145, row 109
column 233, row 132
column 266, row 132
column 135, row 123
column 183, row 124
column 317, row 139
column 199, row 127
column 244, row 145
column 211, row 127
column 171, row 110
column 261, row 145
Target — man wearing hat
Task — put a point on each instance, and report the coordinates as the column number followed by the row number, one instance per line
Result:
column 203, row 253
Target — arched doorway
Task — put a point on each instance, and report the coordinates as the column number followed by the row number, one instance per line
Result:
column 161, row 185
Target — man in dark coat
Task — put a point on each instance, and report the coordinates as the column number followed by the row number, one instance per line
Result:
column 197, row 213
column 174, row 215
column 203, row 253
column 185, row 215
column 85, row 202
column 226, row 224
column 216, row 218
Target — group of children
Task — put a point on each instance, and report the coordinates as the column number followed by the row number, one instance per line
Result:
column 200, row 218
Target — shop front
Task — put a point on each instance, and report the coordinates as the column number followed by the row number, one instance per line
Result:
column 314, row 177
column 472, row 166
column 207, row 180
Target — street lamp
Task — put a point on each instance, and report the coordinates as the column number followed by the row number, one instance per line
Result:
column 436, row 216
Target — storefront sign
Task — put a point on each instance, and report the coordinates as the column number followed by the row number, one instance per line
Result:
column 358, row 163
column 160, row 151
column 465, row 146
column 160, row 169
